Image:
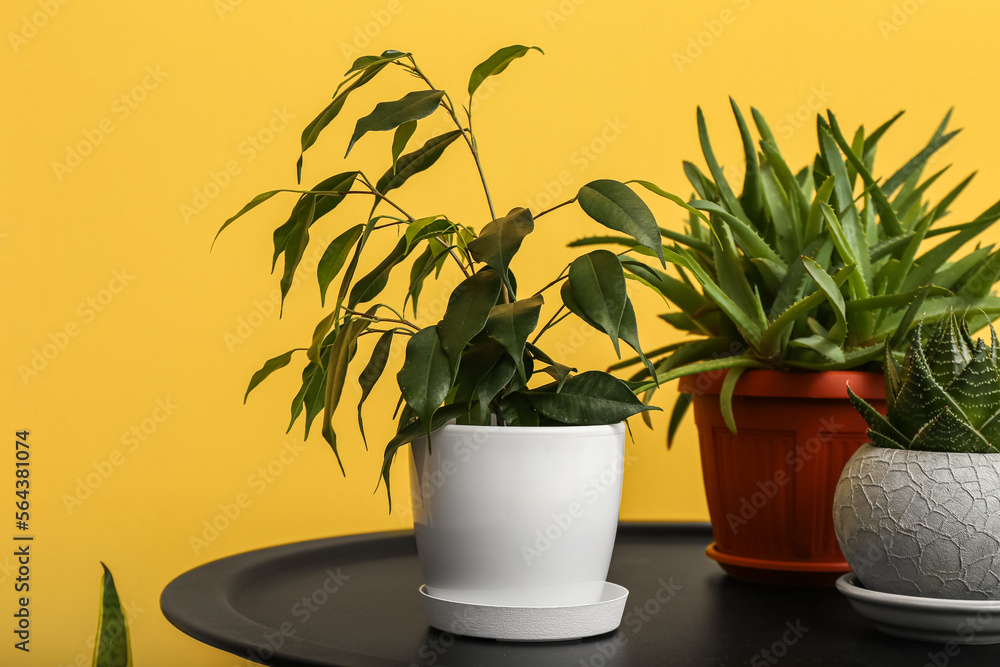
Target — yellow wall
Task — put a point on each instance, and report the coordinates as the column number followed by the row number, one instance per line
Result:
column 167, row 94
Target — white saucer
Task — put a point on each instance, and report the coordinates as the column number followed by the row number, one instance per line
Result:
column 925, row 619
column 528, row 624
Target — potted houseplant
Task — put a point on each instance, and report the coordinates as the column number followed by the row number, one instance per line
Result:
column 790, row 290
column 506, row 441
column 915, row 510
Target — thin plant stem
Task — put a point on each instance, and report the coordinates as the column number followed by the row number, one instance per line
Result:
column 557, row 206
column 449, row 106
column 376, row 318
column 551, row 323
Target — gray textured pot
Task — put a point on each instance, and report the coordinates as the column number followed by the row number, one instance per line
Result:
column 921, row 523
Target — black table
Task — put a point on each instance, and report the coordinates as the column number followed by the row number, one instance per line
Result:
column 352, row 601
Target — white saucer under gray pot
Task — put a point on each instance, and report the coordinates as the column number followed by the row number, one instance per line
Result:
column 515, row 527
column 925, row 619
column 921, row 532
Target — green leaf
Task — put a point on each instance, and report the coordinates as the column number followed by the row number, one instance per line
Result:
column 702, row 366
column 946, row 353
column 413, row 163
column 885, row 210
column 372, row 372
column 425, row 378
column 516, row 410
column 366, row 62
column 977, row 387
column 921, row 398
column 311, row 394
column 500, row 240
column 677, row 416
column 318, row 124
column 469, row 307
column 422, row 267
column 341, row 352
column 334, row 257
column 831, row 289
column 798, row 204
column 372, row 284
column 252, row 204
column 593, row 397
column 292, row 237
column 511, row 324
column 320, row 332
column 725, row 192
column 752, row 197
column 616, row 206
column 390, row 115
column 628, row 331
column 781, row 325
column 269, row 367
column 749, row 239
column 559, row 372
column 917, row 162
column 947, row 432
column 409, row 432
column 295, row 248
column 680, row 293
column 496, row 64
column 847, row 214
column 400, row 139
column 822, row 345
column 876, row 422
column 726, row 396
column 598, row 284
column 484, row 371
column 112, row 647
column 702, row 184
column 747, row 325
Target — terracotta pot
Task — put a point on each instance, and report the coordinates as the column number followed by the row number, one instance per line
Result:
column 770, row 486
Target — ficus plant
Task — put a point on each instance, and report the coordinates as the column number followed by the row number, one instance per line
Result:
column 484, row 362
column 809, row 270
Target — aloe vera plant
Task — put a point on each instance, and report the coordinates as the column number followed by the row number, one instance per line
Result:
column 944, row 398
column 811, row 270
column 482, row 362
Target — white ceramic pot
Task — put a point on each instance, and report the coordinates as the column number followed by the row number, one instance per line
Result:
column 921, row 523
column 517, row 516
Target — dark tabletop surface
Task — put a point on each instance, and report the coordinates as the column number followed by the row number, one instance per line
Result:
column 353, row 601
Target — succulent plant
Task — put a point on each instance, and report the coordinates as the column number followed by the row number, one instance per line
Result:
column 946, row 396
column 809, row 270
